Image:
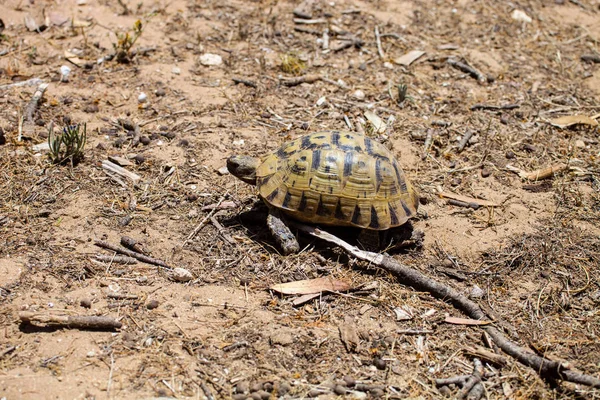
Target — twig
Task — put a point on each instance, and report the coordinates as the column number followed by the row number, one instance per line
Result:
column 464, row 140
column 464, row 67
column 428, row 143
column 378, row 39
column 204, row 221
column 116, row 259
column 35, row 101
column 547, row 369
column 471, row 385
column 114, row 168
column 494, row 107
column 468, row 200
column 301, row 79
column 71, row 321
column 245, row 82
column 130, row 253
column 594, row 58
column 28, row 82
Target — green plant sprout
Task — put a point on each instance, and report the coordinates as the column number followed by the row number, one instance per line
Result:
column 67, row 146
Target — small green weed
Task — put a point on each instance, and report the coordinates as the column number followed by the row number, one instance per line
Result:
column 67, row 146
column 126, row 41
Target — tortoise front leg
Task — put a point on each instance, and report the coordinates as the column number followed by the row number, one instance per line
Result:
column 282, row 233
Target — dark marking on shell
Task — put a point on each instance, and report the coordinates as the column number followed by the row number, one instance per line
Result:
column 369, row 146
column 399, row 178
column 320, row 137
column 306, row 142
column 406, row 209
column 349, row 136
column 327, row 169
column 357, row 148
column 286, row 200
column 302, row 205
column 303, row 158
column 331, row 159
column 356, row 215
column 348, row 158
column 297, row 169
column 335, row 139
column 374, row 219
column 273, row 194
column 393, row 216
column 265, row 179
column 346, row 147
column 322, row 210
column 316, row 160
column 378, row 174
column 339, row 214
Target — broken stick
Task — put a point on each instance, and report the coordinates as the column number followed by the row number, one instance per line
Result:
column 547, row 369
column 71, row 321
column 130, row 253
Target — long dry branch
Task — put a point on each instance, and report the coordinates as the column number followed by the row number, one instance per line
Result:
column 71, row 321
column 550, row 370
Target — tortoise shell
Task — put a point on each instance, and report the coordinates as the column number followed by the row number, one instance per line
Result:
column 337, row 178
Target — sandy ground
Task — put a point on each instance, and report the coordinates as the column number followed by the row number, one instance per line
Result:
column 531, row 261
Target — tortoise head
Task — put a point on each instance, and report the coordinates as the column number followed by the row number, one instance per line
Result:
column 243, row 167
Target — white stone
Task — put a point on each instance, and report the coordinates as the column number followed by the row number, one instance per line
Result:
column 211, row 59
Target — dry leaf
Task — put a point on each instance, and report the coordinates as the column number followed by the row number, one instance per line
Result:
column 305, row 299
column 310, row 286
column 402, row 314
column 349, row 337
column 570, row 120
column 466, row 321
column 409, row 57
column 480, row 202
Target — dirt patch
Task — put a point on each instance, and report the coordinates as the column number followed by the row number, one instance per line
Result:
column 204, row 81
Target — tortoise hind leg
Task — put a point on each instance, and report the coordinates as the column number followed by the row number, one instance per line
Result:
column 282, row 233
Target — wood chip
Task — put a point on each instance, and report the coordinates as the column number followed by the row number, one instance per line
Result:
column 469, row 200
column 409, row 57
column 311, row 286
column 570, row 120
column 121, row 161
column 466, row 321
column 540, row 174
column 349, row 337
column 379, row 126
column 112, row 167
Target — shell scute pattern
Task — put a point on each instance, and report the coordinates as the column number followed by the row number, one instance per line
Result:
column 337, row 178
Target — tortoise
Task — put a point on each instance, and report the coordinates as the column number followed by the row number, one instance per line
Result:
column 333, row 178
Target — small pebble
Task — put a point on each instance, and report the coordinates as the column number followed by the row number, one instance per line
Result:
column 242, row 387
column 268, row 386
column 455, row 182
column 91, row 108
column 160, row 92
column 139, row 158
column 184, row 143
column 359, row 95
column 169, row 135
column 64, row 73
column 530, row 148
column 256, row 387
column 510, row 155
column 239, row 396
column 152, row 304
column 350, row 381
column 264, row 395
column 485, row 173
column 145, row 140
column 376, row 393
column 315, row 393
column 339, row 390
column 223, row 171
column 379, row 363
column 256, row 396
column 142, row 98
column 284, row 388
column 176, row 70
column 126, row 220
column 86, row 303
column 210, row 59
